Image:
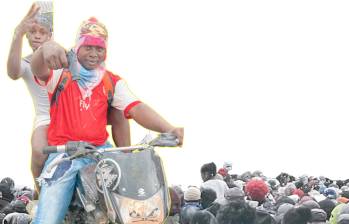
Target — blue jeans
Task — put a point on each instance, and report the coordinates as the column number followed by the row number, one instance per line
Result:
column 57, row 188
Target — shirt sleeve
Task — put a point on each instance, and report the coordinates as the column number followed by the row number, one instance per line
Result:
column 53, row 80
column 25, row 69
column 123, row 98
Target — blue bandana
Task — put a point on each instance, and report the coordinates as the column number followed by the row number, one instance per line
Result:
column 85, row 78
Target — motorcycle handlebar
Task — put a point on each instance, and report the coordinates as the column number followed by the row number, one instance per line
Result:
column 162, row 140
column 71, row 146
column 53, row 149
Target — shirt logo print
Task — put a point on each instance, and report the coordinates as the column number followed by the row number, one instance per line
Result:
column 84, row 105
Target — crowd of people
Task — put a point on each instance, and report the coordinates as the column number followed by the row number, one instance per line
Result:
column 252, row 198
column 225, row 198
column 16, row 203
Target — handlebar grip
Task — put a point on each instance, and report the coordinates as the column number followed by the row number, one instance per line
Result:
column 49, row 149
column 53, row 149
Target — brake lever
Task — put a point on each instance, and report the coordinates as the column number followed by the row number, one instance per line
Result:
column 165, row 140
column 75, row 146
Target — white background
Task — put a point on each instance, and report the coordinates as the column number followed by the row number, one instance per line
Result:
column 263, row 84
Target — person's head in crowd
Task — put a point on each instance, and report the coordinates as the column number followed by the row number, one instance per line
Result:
column 231, row 184
column 311, row 204
column 246, row 176
column 17, row 218
column 208, row 171
column 343, row 200
column 263, row 217
column 305, row 198
column 344, row 188
column 208, row 196
column 298, row 192
column 322, row 179
column 240, row 184
column 327, row 181
column 289, row 188
column 334, row 185
column 297, row 215
column 236, row 212
column 298, row 184
column 19, row 206
column 230, row 181
column 234, row 193
column 228, row 166
column 24, row 199
column 345, row 192
column 281, row 211
column 330, row 192
column 223, row 172
column 317, row 196
column 175, row 202
column 340, row 183
column 346, row 182
column 316, row 186
column 322, row 188
column 179, row 192
column 7, row 209
column 273, row 184
column 192, row 194
column 294, row 197
column 27, row 193
column 6, row 192
column 313, row 181
column 284, row 178
column 203, row 217
column 318, row 216
column 257, row 173
column 256, row 190
column 234, row 177
column 306, row 188
column 9, row 181
column 282, row 200
column 327, row 205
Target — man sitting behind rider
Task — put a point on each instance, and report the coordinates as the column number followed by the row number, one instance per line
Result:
column 37, row 26
column 80, row 110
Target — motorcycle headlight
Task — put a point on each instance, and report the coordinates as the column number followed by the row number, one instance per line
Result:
column 150, row 210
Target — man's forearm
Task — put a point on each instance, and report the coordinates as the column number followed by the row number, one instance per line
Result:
column 38, row 65
column 14, row 57
column 149, row 119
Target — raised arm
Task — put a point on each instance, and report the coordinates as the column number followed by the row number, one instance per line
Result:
column 150, row 119
column 49, row 56
column 15, row 54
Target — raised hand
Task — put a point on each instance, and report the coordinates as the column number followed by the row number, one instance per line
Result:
column 54, row 55
column 28, row 21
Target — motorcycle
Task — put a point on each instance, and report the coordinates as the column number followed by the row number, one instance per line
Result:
column 126, row 184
